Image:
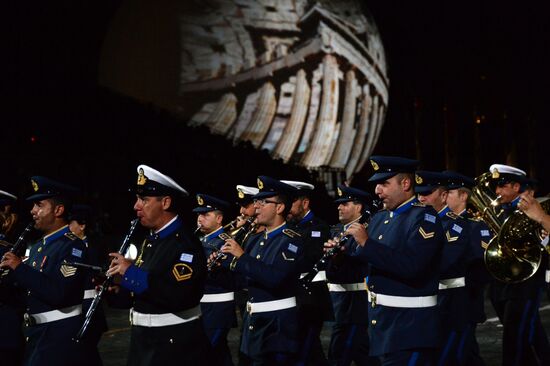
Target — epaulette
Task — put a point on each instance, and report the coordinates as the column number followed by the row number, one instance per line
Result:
column 418, row 204
column 452, row 215
column 291, row 233
column 71, row 236
column 5, row 244
column 475, row 219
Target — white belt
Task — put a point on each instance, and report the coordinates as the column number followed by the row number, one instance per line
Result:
column 89, row 294
column 547, row 276
column 402, row 301
column 320, row 276
column 226, row 296
column 452, row 283
column 342, row 287
column 58, row 314
column 163, row 320
column 262, row 307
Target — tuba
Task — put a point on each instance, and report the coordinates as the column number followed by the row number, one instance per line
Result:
column 515, row 253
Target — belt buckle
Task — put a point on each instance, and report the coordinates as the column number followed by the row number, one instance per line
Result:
column 249, row 307
column 29, row 320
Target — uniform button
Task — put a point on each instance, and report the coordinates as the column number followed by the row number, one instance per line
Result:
column 373, row 322
column 34, row 263
column 250, row 327
column 171, row 340
column 27, row 339
column 258, row 256
column 380, row 237
column 39, row 249
column 372, row 287
column 261, row 243
column 386, row 222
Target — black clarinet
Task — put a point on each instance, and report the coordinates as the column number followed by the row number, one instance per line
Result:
column 239, row 235
column 19, row 246
column 340, row 240
column 105, row 285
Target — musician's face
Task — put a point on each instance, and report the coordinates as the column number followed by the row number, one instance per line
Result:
column 349, row 211
column 248, row 210
column 149, row 210
column 44, row 214
column 77, row 229
column 298, row 210
column 267, row 211
column 456, row 200
column 209, row 221
column 437, row 198
column 508, row 191
column 394, row 191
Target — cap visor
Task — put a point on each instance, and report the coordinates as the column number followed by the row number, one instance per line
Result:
column 380, row 177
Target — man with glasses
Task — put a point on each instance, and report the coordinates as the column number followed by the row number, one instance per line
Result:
column 314, row 303
column 270, row 269
column 524, row 341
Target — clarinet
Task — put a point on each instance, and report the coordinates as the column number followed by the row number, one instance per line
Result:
column 239, row 235
column 19, row 246
column 105, row 285
column 340, row 240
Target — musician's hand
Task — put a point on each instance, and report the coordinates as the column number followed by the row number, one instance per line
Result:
column 240, row 221
column 10, row 260
column 358, row 232
column 531, row 207
column 233, row 248
column 331, row 243
column 118, row 265
column 114, row 289
column 212, row 258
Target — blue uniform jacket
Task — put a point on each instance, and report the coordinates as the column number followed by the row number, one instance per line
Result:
column 453, row 302
column 51, row 285
column 216, row 314
column 270, row 269
column 11, row 311
column 350, row 307
column 404, row 251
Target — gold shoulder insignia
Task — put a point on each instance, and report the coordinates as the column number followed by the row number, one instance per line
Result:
column 182, row 272
column 71, row 236
column 67, row 271
column 291, row 233
column 452, row 215
column 426, row 235
column 418, row 204
column 450, row 238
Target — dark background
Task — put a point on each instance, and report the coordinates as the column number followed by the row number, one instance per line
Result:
column 450, row 64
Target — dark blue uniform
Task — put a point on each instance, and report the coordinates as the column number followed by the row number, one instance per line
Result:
column 218, row 307
column 404, row 252
column 517, row 308
column 11, row 318
column 54, row 287
column 452, row 299
column 168, row 282
column 314, row 305
column 346, row 276
column 270, row 269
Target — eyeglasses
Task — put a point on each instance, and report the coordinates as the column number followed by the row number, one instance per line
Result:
column 264, row 202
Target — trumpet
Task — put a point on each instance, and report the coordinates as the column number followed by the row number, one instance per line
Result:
column 239, row 234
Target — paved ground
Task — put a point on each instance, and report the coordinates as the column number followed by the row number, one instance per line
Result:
column 114, row 344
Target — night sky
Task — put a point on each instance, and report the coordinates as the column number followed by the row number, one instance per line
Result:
column 450, row 64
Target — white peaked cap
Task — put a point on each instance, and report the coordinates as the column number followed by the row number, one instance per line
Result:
column 299, row 185
column 7, row 194
column 248, row 190
column 156, row 176
column 506, row 169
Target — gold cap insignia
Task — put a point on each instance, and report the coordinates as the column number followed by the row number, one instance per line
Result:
column 374, row 165
column 418, row 179
column 339, row 191
column 34, row 185
column 142, row 179
column 496, row 174
column 200, row 201
column 241, row 194
column 260, row 184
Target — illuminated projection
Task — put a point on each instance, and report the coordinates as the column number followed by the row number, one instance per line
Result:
column 306, row 80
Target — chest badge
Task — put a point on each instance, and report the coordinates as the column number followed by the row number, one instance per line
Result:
column 182, row 272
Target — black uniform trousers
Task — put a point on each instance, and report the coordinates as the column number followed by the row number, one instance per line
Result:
column 350, row 342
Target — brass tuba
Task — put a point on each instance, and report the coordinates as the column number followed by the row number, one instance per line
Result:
column 514, row 254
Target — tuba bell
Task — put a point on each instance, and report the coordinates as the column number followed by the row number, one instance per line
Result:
column 515, row 252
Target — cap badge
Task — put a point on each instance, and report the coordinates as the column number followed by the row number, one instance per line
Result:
column 374, row 165
column 260, row 184
column 241, row 194
column 142, row 179
column 418, row 179
column 496, row 174
column 339, row 191
column 200, row 201
column 34, row 185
